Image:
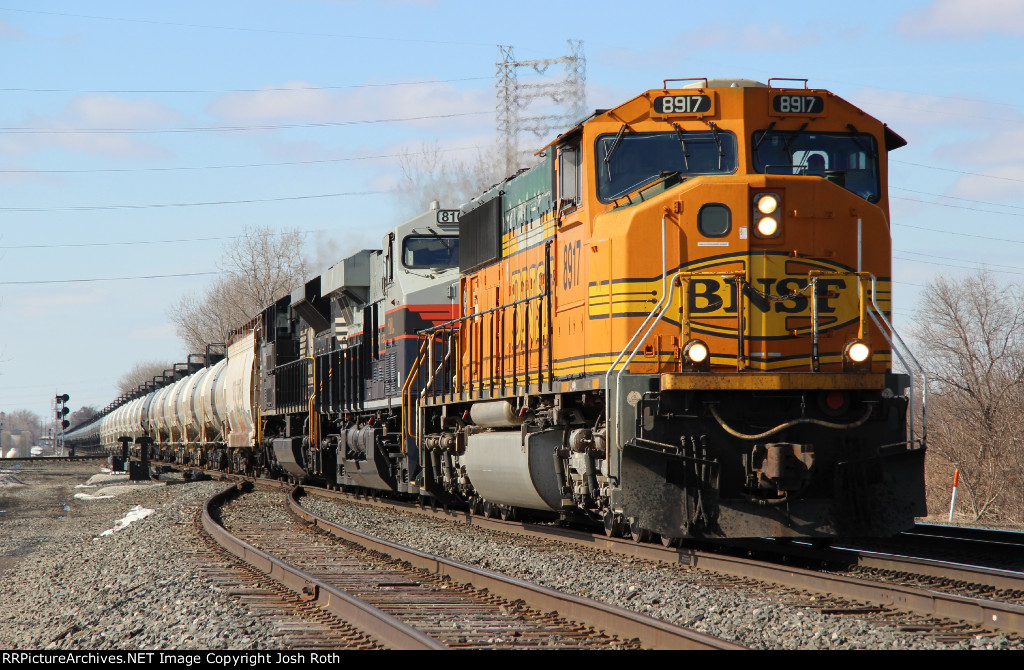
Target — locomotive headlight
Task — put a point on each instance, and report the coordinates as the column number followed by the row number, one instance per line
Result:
column 767, row 204
column 767, row 226
column 696, row 355
column 856, row 355
column 767, row 213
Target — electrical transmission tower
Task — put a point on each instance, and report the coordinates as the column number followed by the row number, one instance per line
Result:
column 516, row 110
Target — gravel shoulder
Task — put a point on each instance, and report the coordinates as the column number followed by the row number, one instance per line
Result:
column 142, row 586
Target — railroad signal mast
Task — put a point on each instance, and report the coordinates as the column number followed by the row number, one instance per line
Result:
column 61, row 411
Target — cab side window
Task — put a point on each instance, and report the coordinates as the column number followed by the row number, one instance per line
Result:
column 568, row 177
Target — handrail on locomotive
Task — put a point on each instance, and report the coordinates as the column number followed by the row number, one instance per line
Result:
column 680, row 280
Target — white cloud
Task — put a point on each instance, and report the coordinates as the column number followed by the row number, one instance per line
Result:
column 303, row 101
column 98, row 110
column 11, row 173
column 9, row 32
column 1005, row 182
column 904, row 109
column 997, row 148
column 306, row 103
column 965, row 19
column 76, row 128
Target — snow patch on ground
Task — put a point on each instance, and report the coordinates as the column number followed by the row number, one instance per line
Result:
column 133, row 515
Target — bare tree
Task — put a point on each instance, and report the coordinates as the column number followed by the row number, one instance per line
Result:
column 970, row 332
column 27, row 421
column 257, row 268
column 82, row 415
column 139, row 374
column 430, row 174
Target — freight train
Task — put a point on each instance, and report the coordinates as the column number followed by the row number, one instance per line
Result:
column 675, row 323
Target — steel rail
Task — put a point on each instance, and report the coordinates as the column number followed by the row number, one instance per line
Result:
column 992, row 536
column 652, row 633
column 995, row 578
column 45, row 459
column 1004, row 617
column 379, row 625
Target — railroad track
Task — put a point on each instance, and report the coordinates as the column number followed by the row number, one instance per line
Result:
column 952, row 600
column 406, row 599
column 45, row 459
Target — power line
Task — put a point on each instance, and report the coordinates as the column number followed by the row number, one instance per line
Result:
column 87, row 208
column 21, row 130
column 951, row 265
column 966, row 172
column 949, row 204
column 953, row 197
column 296, row 33
column 952, row 232
column 139, row 242
column 226, row 167
column 97, row 279
column 265, row 89
column 948, row 258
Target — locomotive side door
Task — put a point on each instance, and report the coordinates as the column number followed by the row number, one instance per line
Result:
column 569, row 268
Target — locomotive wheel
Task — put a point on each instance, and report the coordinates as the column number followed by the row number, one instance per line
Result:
column 489, row 510
column 508, row 513
column 612, row 527
column 638, row 532
column 670, row 541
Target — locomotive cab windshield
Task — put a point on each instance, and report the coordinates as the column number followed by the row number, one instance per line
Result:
column 847, row 159
column 433, row 251
column 626, row 161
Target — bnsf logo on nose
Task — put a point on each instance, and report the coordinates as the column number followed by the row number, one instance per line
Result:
column 766, row 294
column 776, row 298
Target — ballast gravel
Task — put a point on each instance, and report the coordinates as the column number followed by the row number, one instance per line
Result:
column 739, row 610
column 70, row 584
column 66, row 585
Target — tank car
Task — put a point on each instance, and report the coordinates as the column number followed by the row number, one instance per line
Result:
column 311, row 388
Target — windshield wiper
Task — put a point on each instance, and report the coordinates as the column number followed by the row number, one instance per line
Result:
column 718, row 141
column 855, row 136
column 787, row 139
column 764, row 134
column 682, row 143
column 443, row 240
column 611, row 150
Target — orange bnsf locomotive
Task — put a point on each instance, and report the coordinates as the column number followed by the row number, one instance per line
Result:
column 677, row 324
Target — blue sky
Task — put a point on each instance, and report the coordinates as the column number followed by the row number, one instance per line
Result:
column 137, row 138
